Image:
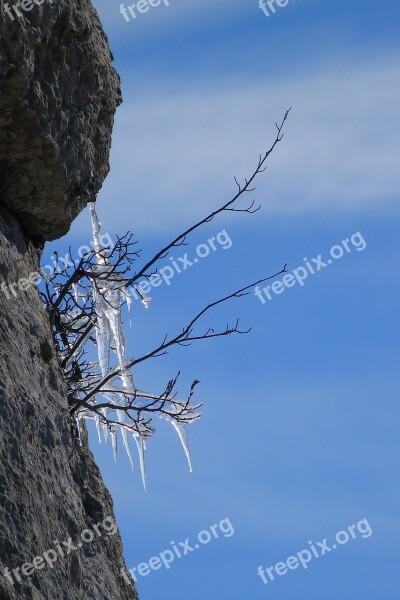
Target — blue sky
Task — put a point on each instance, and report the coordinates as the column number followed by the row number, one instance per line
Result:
column 300, row 429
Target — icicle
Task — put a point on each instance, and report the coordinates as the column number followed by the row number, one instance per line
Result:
column 108, row 306
column 78, row 424
column 126, row 446
column 119, row 339
column 105, row 428
column 141, row 447
column 98, row 427
column 113, row 435
column 84, row 295
column 96, row 226
column 103, row 336
column 129, row 305
column 182, row 432
column 76, row 292
column 146, row 301
column 108, row 296
column 121, row 419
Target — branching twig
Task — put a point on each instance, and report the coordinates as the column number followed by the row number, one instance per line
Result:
column 84, row 307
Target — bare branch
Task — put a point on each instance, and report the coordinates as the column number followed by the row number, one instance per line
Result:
column 84, row 301
column 184, row 337
column 228, row 206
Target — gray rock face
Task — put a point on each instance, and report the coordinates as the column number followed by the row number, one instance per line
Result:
column 58, row 95
column 50, row 488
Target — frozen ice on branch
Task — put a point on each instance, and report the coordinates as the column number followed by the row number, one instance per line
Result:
column 85, row 303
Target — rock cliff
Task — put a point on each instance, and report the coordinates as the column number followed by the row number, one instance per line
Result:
column 58, row 95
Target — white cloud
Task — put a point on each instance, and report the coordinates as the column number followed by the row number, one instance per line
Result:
column 175, row 151
column 179, row 14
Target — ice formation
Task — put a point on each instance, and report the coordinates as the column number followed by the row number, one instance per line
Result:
column 108, row 296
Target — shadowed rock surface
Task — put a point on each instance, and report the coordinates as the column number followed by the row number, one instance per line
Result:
column 58, row 95
column 57, row 101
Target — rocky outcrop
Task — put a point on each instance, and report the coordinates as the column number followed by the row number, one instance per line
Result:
column 58, row 94
column 50, row 488
column 58, row 539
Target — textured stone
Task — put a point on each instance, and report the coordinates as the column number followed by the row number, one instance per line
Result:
column 50, row 487
column 58, row 95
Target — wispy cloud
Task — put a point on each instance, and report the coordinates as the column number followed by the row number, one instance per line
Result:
column 175, row 151
column 181, row 13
